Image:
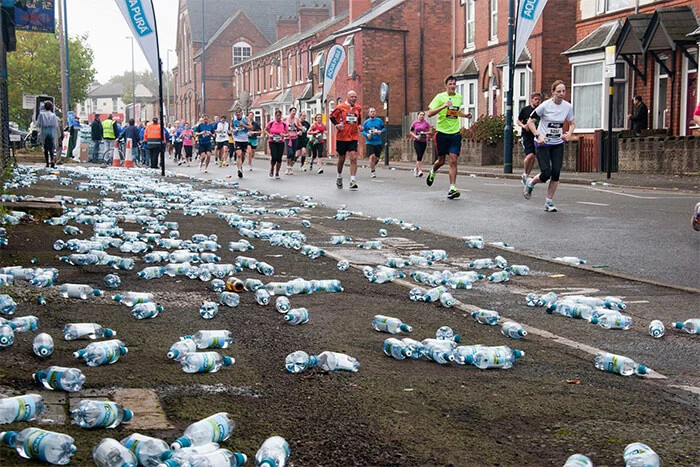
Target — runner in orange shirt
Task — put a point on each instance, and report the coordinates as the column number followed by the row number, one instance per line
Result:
column 347, row 117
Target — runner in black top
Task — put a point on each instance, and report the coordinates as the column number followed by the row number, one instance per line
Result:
column 527, row 138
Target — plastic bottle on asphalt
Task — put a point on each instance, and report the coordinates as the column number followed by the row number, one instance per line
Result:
column 691, row 326
column 265, row 268
column 481, row 263
column 501, row 262
column 495, row 357
column 372, row 245
column 91, row 413
column 151, row 272
column 35, row 443
column 73, row 331
column 156, row 256
column 570, row 260
column 578, row 460
column 500, row 276
column 112, row 281
column 460, row 282
column 513, row 330
column 78, row 291
column 327, row 285
column 182, row 347
column 146, row 310
column 23, row 408
column 343, row 265
column 416, row 348
column 241, row 245
column 619, row 364
column 433, row 295
column 439, row 351
column 147, row 450
column 110, row 453
column 207, row 257
column 61, row 378
column 251, row 285
column 282, row 304
column 388, row 324
column 132, row 298
column 547, row 299
column 218, row 458
column 445, row 333
column 102, row 353
column 230, row 299
column 339, row 239
column 204, row 362
column 465, row 352
column 614, row 303
column 208, row 310
column 656, row 329
column 474, row 243
column 7, row 335
column 42, row 345
column 581, row 311
column 59, row 244
column 519, row 270
column 489, row 317
column 25, row 323
column 262, row 296
column 532, row 299
column 396, row 262
column 447, row 300
column 383, row 232
column 297, row 316
column 416, row 294
column 396, row 348
column 299, row 361
column 274, row 452
column 212, row 339
column 640, row 455
column 613, row 320
column 183, row 456
column 419, row 261
column 213, row 429
column 183, row 256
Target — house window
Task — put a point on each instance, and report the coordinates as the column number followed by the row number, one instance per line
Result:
column 241, row 51
column 606, row 6
column 521, row 89
column 351, row 59
column 321, row 66
column 468, row 90
column 620, row 97
column 469, row 23
column 299, row 66
column 289, row 69
column 114, row 105
column 661, row 95
column 493, row 24
column 587, row 95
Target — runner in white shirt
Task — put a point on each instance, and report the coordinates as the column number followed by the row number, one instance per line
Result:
column 221, row 131
column 240, row 139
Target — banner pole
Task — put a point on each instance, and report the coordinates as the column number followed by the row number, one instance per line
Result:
column 160, row 94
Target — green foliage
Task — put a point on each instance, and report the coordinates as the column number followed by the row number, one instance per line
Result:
column 488, row 128
column 145, row 77
column 35, row 68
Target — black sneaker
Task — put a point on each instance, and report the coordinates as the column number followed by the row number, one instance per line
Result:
column 240, row 173
column 353, row 185
column 430, row 178
column 339, row 182
column 453, row 193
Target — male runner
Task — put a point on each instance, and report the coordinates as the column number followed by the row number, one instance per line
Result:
column 346, row 118
column 240, row 138
column 526, row 136
column 222, row 129
column 372, row 129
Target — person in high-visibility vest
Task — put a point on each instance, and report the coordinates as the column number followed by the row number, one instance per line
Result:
column 108, row 131
column 154, row 142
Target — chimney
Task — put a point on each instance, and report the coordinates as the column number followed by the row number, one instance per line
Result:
column 358, row 7
column 339, row 6
column 286, row 25
column 310, row 15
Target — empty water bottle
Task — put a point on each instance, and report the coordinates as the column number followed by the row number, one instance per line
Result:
column 495, row 357
column 481, row 263
column 298, row 361
column 71, row 230
column 220, row 457
column 177, row 269
column 112, row 281
column 532, row 299
column 343, row 265
column 513, row 330
column 111, row 453
column 474, row 243
column 73, row 331
column 619, row 364
column 372, row 245
column 439, row 351
column 21, row 408
column 489, row 317
column 147, row 450
column 297, row 316
column 547, row 299
column 383, row 233
column 230, row 299
column 43, row 445
column 132, row 298
column 282, row 304
column 213, row 429
column 570, row 260
column 151, row 272
column 102, row 353
column 146, row 310
column 613, row 320
column 183, row 456
column 241, row 245
column 204, row 362
column 339, row 239
column 465, row 353
column 212, row 339
column 274, row 452
column 433, row 295
column 7, row 335
column 61, row 378
column 578, row 460
column 208, row 310
column 447, row 300
column 91, row 413
column 58, row 245
column 182, row 347
column 519, row 270
column 500, row 276
column 209, row 258
column 217, row 285
column 396, row 348
column 265, row 268
column 640, row 455
column 445, row 333
column 416, row 294
column 388, row 324
column 416, row 348
column 78, row 291
column 234, row 285
column 25, row 323
column 156, row 256
column 656, row 329
column 262, row 296
column 691, row 326
column 394, row 262
column 42, row 345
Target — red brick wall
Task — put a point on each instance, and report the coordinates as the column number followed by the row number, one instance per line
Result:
column 310, row 16
column 286, row 26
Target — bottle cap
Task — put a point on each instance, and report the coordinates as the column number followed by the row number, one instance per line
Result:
column 117, row 298
column 123, row 350
column 288, row 317
column 457, row 338
column 79, row 353
column 173, row 354
column 522, row 332
column 109, row 332
column 8, row 437
column 267, row 461
column 678, row 325
column 181, row 442
column 128, row 415
column 240, row 457
column 406, row 328
column 167, row 454
column 228, row 361
column 594, row 320
column 97, row 292
column 159, row 308
column 642, row 370
column 518, row 353
column 44, row 351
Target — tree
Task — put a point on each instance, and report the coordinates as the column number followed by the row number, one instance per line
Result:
column 144, row 77
column 34, row 68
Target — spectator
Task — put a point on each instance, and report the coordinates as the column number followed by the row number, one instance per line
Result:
column 96, row 136
column 49, row 129
column 639, row 115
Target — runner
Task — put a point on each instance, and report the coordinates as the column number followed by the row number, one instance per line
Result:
column 317, row 135
column 222, row 130
column 252, row 139
column 420, row 129
column 527, row 138
column 187, row 136
column 303, row 140
column 240, row 137
column 373, row 129
column 204, row 133
column 346, row 118
column 276, row 131
column 549, row 139
column 291, row 140
column 447, row 106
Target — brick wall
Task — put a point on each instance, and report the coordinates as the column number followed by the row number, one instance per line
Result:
column 669, row 155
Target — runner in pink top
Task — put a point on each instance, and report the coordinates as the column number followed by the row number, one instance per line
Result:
column 275, row 131
column 420, row 130
column 187, row 136
column 317, row 137
column 292, row 141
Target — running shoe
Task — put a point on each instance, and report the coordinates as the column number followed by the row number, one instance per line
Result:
column 550, row 207
column 527, row 189
column 415, row 172
column 523, row 179
column 430, row 179
column 240, row 173
column 250, row 169
column 303, row 168
column 272, row 175
column 353, row 185
column 339, row 182
column 453, row 193
column 320, row 171
column 373, row 174
column 277, row 177
column 420, row 173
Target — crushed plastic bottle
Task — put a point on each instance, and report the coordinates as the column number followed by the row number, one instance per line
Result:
column 35, row 443
column 489, row 317
column 7, row 335
column 182, row 347
column 25, row 323
column 73, row 331
column 299, row 361
column 204, row 362
column 573, row 260
column 213, row 429
column 500, row 276
column 578, row 460
column 23, row 408
column 208, row 310
column 133, row 298
column 102, row 353
column 147, row 450
column 42, row 345
column 495, row 357
column 274, row 452
column 640, row 455
column 112, row 281
column 691, row 326
column 282, row 304
column 477, row 243
column 61, row 378
column 91, row 413
column 388, row 324
column 146, row 310
column 111, row 453
column 513, row 330
column 619, row 364
column 297, row 316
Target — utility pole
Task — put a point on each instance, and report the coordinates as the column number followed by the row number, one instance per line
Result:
column 133, row 81
column 167, row 83
column 204, row 62
column 62, row 58
column 65, row 31
column 508, row 136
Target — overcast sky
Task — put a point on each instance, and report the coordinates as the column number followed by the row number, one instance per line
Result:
column 108, row 32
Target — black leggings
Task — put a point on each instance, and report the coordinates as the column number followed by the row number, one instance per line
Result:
column 550, row 160
column 48, row 149
column 420, row 146
column 316, row 151
column 276, row 150
column 188, row 152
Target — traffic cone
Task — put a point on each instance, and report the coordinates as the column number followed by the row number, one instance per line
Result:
column 116, row 161
column 128, row 156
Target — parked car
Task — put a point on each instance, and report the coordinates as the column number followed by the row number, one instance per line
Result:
column 14, row 130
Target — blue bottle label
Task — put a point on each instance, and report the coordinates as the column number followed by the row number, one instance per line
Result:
column 219, row 427
column 207, row 363
column 54, row 378
column 26, row 408
column 33, row 444
column 109, row 414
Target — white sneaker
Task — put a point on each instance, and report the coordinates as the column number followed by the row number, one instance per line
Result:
column 549, row 207
column 373, row 174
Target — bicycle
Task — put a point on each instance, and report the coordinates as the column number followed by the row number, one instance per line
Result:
column 108, row 155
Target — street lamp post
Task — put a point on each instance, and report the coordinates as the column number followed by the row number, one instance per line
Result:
column 133, row 80
column 508, row 136
column 204, row 61
column 66, row 104
column 167, row 83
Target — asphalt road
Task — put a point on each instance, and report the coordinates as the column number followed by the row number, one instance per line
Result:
column 641, row 233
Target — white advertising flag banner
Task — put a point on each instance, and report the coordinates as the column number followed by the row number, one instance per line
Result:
column 529, row 13
column 140, row 17
column 336, row 57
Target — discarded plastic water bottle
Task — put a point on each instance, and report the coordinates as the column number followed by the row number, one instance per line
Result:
column 251, row 285
column 299, row 361
column 7, row 335
column 43, row 445
column 20, row 408
column 613, row 320
column 184, row 456
column 74, row 331
column 102, row 353
column 78, row 291
column 439, row 351
column 327, row 285
column 518, row 270
column 182, row 347
column 112, row 281
column 481, row 263
column 214, row 429
column 474, row 243
column 372, row 245
column 640, row 455
column 513, row 330
column 547, row 299
column 445, row 333
column 570, row 260
column 416, row 348
column 230, row 299
column 176, row 269
column 368, row 272
column 339, row 239
column 235, row 285
column 382, row 276
column 656, row 329
column 312, row 252
column 220, row 457
column 396, row 348
column 394, row 262
column 147, row 450
column 416, row 294
column 447, row 300
column 91, row 413
column 433, row 295
column 208, row 310
column 419, row 260
column 204, row 362
column 156, row 256
column 146, row 310
column 274, row 452
column 212, row 339
column 619, row 364
column 495, row 357
column 614, row 303
column 388, row 324
column 110, row 453
column 59, row 244
column 262, row 296
column 306, row 224
column 183, row 256
column 25, row 323
column 217, row 285
column 489, row 317
column 132, row 298
column 42, row 345
column 465, row 352
column 241, row 245
column 383, row 233
column 246, row 262
column 282, row 304
column 297, row 316
column 501, row 262
column 151, row 272
column 265, row 269
column 578, row 460
column 61, row 378
column 500, row 276
column 691, row 326
column 209, row 258
column 343, row 265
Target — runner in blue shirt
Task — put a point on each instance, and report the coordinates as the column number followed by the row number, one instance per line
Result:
column 372, row 129
column 204, row 132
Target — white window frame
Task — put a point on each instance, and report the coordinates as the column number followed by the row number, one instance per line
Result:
column 351, row 59
column 522, row 78
column 469, row 89
column 493, row 20
column 659, row 74
column 469, row 21
column 289, row 68
column 684, row 88
column 603, row 6
column 320, row 60
column 590, row 59
column 242, row 56
column 625, row 100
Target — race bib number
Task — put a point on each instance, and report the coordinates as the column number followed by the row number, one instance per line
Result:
column 554, row 130
column 277, row 138
column 452, row 112
column 351, row 118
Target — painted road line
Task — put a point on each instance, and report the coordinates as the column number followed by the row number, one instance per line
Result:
column 592, row 204
column 623, row 194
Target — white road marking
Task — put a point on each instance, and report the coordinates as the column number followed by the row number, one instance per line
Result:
column 639, row 301
column 624, row 194
column 592, row 204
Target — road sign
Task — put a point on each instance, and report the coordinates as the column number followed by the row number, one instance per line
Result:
column 384, row 92
column 15, row 138
column 609, row 71
column 609, row 66
column 28, row 101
